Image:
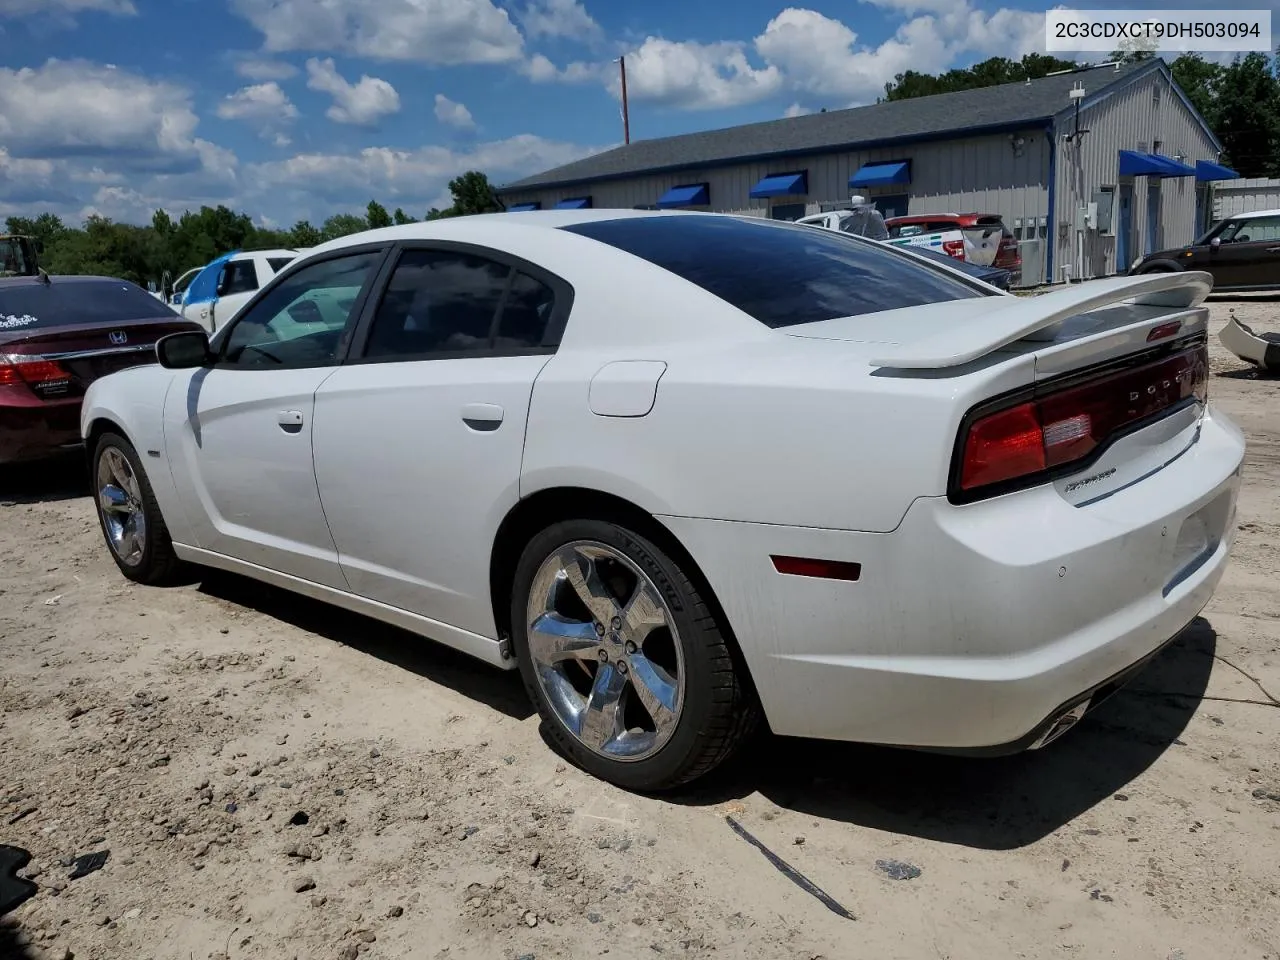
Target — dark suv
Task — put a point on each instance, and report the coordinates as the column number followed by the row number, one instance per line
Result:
column 1241, row 252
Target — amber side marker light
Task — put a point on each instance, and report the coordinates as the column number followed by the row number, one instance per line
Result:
column 1164, row 330
column 820, row 569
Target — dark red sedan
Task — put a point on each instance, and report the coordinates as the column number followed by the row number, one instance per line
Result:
column 58, row 335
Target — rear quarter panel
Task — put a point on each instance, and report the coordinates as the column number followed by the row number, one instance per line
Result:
column 789, row 431
column 133, row 400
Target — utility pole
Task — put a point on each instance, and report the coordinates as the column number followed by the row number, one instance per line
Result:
column 626, row 115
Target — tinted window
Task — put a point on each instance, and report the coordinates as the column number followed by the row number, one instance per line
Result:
column 301, row 321
column 279, row 263
column 438, row 302
column 524, row 314
column 238, row 276
column 34, row 305
column 1253, row 230
column 780, row 274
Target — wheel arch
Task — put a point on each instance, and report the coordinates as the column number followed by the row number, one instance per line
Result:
column 1160, row 266
column 540, row 510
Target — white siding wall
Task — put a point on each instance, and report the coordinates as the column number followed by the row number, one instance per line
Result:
column 1244, row 196
column 982, row 174
column 1134, row 117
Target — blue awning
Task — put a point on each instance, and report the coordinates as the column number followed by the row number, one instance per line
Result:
column 1208, row 170
column 781, row 185
column 523, row 207
column 574, row 203
column 882, row 174
column 689, row 195
column 1135, row 164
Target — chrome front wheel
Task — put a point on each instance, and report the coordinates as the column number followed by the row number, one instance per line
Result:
column 124, row 516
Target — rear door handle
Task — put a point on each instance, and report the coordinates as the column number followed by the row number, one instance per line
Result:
column 290, row 421
column 484, row 417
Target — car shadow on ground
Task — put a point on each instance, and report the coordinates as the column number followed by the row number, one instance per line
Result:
column 64, row 477
column 11, row 947
column 992, row 804
column 499, row 689
column 1248, row 373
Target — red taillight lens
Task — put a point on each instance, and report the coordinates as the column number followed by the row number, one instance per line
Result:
column 953, row 248
column 1068, row 425
column 18, row 370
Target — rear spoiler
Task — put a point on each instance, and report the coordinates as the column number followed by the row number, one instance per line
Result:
column 1038, row 318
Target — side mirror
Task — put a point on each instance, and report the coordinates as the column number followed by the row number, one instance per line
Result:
column 1215, row 243
column 182, row 351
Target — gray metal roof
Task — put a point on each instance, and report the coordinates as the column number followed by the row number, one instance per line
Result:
column 965, row 111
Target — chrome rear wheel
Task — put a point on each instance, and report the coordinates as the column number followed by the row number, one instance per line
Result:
column 606, row 651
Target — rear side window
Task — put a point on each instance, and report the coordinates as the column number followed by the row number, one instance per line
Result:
column 239, row 276
column 778, row 273
column 36, row 305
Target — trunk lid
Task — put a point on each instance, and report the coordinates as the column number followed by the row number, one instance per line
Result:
column 83, row 353
column 1114, row 391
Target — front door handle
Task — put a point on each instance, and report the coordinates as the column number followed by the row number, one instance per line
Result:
column 484, row 417
column 290, row 421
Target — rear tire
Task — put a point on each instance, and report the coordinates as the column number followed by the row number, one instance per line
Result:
column 129, row 516
column 629, row 669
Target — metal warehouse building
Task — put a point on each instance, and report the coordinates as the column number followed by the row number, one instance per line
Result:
column 1135, row 178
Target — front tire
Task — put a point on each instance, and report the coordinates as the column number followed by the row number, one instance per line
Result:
column 128, row 514
column 630, row 671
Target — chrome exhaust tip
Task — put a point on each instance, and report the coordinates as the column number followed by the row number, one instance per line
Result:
column 1061, row 725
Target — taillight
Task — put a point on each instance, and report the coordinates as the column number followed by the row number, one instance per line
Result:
column 1039, row 436
column 15, row 368
column 953, row 248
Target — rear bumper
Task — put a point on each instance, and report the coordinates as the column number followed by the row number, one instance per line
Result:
column 33, row 432
column 972, row 627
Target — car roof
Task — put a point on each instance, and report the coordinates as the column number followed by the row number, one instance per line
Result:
column 460, row 228
column 1254, row 213
column 926, row 217
column 57, row 278
column 282, row 252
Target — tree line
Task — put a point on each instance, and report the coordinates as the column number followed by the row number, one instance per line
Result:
column 160, row 252
column 1240, row 100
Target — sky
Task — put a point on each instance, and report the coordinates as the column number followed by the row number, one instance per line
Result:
column 298, row 109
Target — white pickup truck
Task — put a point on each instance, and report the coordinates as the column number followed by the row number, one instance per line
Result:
column 226, row 284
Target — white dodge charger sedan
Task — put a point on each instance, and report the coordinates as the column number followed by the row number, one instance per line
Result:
column 688, row 471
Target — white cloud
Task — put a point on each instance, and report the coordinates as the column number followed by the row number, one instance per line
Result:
column 27, row 8
column 317, row 185
column 820, row 57
column 73, row 108
column 263, row 69
column 540, row 69
column 453, row 114
column 443, row 32
column 796, row 110
column 265, row 107
column 695, row 76
column 560, row 18
column 363, row 103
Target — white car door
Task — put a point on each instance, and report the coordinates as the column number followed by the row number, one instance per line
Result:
column 238, row 434
column 419, row 437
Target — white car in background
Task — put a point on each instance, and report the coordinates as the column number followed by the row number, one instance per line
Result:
column 685, row 470
column 226, row 284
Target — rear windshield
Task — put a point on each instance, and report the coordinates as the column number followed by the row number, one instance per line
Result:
column 780, row 274
column 63, row 302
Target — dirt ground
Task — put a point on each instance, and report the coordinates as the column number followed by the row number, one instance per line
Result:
column 275, row 779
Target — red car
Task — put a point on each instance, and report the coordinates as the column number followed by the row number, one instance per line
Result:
column 979, row 238
column 59, row 334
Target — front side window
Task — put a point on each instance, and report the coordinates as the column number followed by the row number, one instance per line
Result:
column 1253, row 230
column 238, row 276
column 779, row 274
column 443, row 302
column 303, row 320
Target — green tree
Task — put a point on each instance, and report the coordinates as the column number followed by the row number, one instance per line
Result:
column 377, row 216
column 988, row 73
column 304, row 234
column 342, row 225
column 1199, row 80
column 401, row 218
column 1246, row 115
column 472, row 193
